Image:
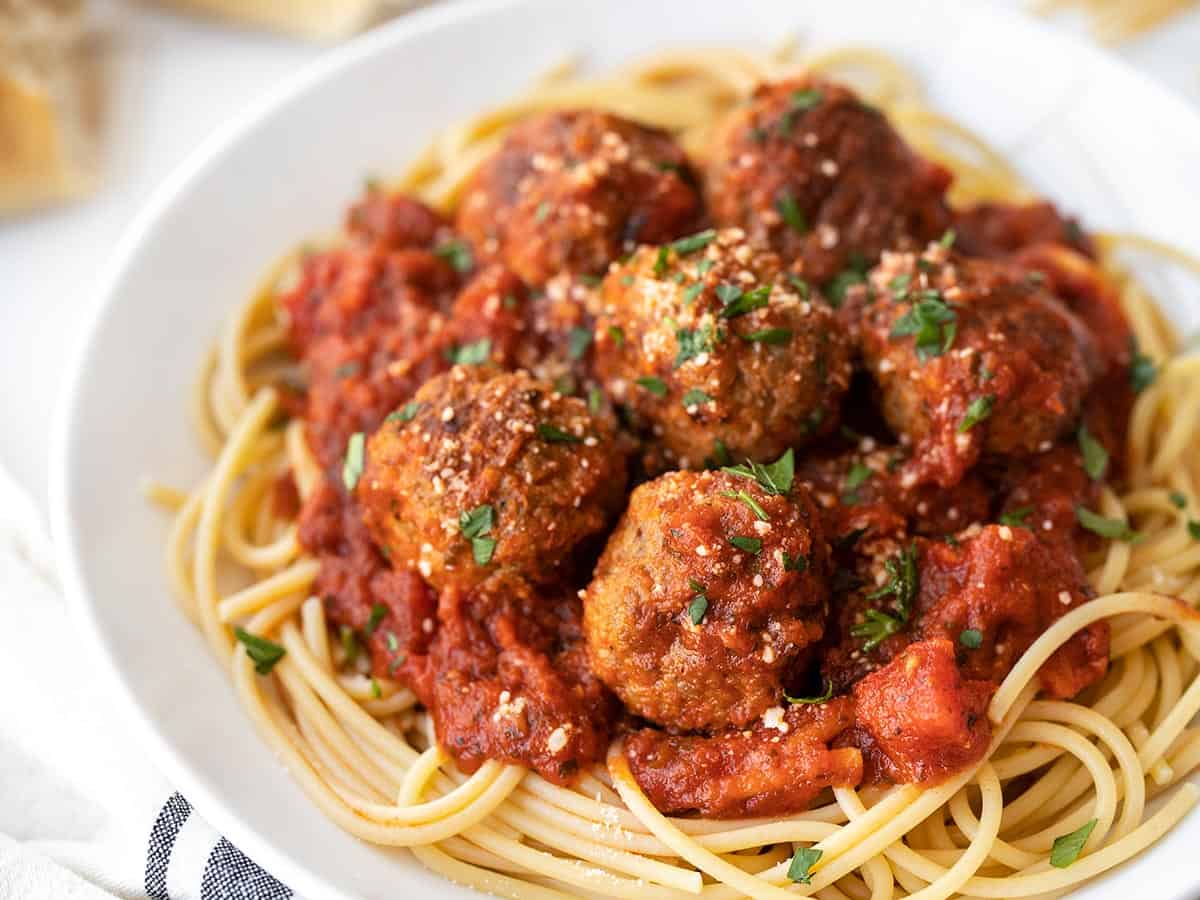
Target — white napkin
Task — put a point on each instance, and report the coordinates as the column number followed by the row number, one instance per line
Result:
column 83, row 814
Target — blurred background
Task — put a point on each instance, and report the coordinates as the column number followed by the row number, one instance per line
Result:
column 100, row 100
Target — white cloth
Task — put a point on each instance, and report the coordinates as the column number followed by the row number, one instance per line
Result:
column 83, row 815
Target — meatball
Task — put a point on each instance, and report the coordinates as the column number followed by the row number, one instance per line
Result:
column 1001, row 229
column 574, row 189
column 489, row 476
column 713, row 347
column 823, row 178
column 708, row 592
column 972, row 357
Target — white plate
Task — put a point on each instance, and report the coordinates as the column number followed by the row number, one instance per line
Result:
column 1090, row 133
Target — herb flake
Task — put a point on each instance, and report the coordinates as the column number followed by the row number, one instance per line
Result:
column 262, row 652
column 1114, row 529
column 1095, row 457
column 1067, row 847
column 352, row 466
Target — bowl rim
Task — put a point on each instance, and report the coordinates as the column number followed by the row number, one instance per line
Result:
column 82, row 606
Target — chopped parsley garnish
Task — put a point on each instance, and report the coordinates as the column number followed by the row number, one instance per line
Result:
column 794, row 563
column 736, row 303
column 948, row 238
column 626, row 280
column 1178, row 500
column 749, row 544
column 1016, row 516
column 1095, row 457
column 703, row 266
column 595, row 400
column 789, row 210
column 857, row 476
column 616, row 334
column 457, row 253
column 980, row 409
column 393, row 644
column 376, row 690
column 772, row 336
column 656, row 386
column 352, row 466
column 801, row 102
column 1067, row 847
column 543, row 210
column 591, row 280
column 931, row 322
column 699, row 605
column 695, row 242
column 842, row 282
column 758, row 511
column 1113, row 529
column 662, row 261
column 472, row 354
column 825, row 695
column 578, row 340
column 877, row 627
column 727, row 292
column 345, row 370
column 692, row 292
column 1194, row 529
column 378, row 611
column 693, row 343
column 971, row 638
column 799, row 284
column 262, row 652
column 565, row 385
column 899, row 286
column 903, row 583
column 475, row 525
column 552, row 434
column 1142, row 371
column 800, row 869
column 695, row 397
column 349, row 644
column 774, row 478
column 406, row 413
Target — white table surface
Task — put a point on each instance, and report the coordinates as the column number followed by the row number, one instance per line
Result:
column 173, row 81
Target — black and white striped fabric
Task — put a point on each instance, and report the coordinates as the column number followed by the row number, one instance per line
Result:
column 183, row 852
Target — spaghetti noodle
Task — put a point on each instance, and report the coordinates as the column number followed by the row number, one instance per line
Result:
column 364, row 751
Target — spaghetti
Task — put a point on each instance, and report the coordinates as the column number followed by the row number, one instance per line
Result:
column 1111, row 763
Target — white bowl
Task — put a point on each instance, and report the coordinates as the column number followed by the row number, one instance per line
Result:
column 1091, row 134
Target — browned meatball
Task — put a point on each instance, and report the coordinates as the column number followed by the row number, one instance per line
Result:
column 709, row 590
column 823, row 178
column 487, row 475
column 972, row 357
column 571, row 190
column 714, row 348
column 1002, row 229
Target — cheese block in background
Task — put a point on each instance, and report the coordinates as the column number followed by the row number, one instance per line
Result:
column 49, row 86
column 311, row 19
